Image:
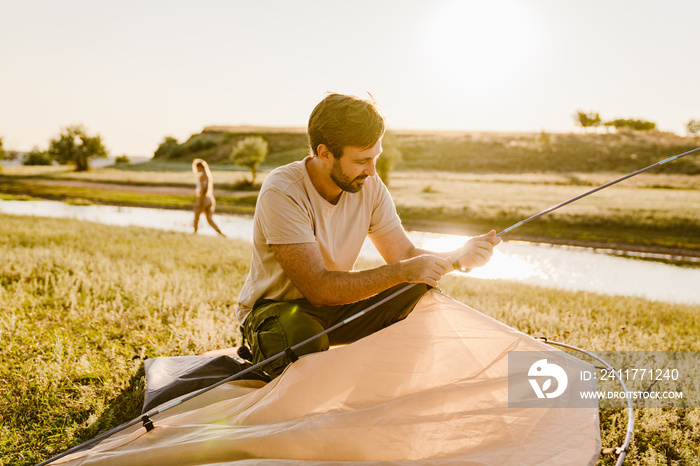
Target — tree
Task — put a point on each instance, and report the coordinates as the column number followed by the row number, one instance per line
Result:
column 587, row 120
column 2, row 151
column 74, row 146
column 250, row 152
column 391, row 155
column 636, row 125
column 693, row 127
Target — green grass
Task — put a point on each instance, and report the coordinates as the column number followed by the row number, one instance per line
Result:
column 83, row 304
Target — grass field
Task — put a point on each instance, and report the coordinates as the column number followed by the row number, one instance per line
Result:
column 83, row 304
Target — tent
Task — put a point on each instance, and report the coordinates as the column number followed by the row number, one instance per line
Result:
column 431, row 389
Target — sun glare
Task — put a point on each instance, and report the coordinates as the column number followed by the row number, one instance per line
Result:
column 480, row 47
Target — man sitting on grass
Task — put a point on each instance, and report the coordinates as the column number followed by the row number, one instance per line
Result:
column 311, row 219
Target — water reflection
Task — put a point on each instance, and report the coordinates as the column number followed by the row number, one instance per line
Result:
column 547, row 265
column 583, row 269
column 162, row 219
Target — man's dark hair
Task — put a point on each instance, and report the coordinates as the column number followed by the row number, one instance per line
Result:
column 342, row 120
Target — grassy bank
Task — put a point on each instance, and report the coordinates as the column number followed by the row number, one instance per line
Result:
column 153, row 173
column 119, row 193
column 83, row 304
column 654, row 212
column 651, row 212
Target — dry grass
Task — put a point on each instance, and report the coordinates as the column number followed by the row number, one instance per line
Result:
column 644, row 180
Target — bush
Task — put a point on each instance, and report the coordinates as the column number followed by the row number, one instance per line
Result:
column 122, row 159
column 168, row 149
column 171, row 149
column 37, row 157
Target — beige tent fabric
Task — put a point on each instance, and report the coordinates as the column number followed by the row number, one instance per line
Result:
column 431, row 389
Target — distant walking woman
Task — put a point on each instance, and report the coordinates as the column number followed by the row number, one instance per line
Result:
column 205, row 194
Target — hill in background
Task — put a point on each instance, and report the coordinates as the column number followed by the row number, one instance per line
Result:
column 476, row 152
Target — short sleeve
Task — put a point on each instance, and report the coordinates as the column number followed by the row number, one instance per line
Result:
column 282, row 220
column 384, row 216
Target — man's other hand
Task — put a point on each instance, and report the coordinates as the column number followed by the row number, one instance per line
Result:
column 426, row 268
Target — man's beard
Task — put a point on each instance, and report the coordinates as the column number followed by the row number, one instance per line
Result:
column 343, row 181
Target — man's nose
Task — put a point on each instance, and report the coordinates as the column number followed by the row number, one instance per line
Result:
column 372, row 170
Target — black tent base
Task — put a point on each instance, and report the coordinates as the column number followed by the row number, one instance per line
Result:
column 168, row 378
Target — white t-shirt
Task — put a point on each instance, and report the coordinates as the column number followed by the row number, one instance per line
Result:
column 290, row 211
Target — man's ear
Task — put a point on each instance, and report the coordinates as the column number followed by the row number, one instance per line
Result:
column 324, row 153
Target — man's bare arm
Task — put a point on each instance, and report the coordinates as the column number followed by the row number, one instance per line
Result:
column 396, row 246
column 304, row 265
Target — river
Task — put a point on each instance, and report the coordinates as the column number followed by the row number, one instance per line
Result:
column 562, row 267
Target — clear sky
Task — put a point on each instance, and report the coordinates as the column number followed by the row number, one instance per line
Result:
column 137, row 71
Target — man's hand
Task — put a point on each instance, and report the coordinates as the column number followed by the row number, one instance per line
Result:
column 477, row 251
column 426, row 268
